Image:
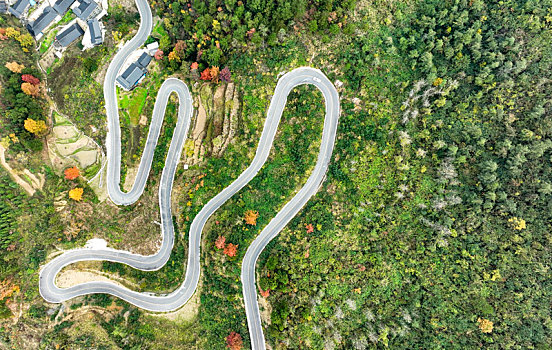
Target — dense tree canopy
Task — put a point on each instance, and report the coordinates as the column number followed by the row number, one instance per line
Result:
column 208, row 31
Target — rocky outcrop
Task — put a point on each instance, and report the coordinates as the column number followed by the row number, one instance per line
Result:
column 215, row 123
column 231, row 116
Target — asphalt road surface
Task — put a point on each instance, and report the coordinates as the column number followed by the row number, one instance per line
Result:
column 163, row 303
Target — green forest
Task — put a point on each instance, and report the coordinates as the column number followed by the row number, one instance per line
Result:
column 432, row 229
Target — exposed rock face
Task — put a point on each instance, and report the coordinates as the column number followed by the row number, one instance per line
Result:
column 231, row 116
column 216, row 122
column 199, row 131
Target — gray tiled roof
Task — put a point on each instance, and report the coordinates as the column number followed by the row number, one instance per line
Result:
column 3, row 7
column 19, row 7
column 95, row 32
column 46, row 17
column 131, row 76
column 143, row 60
column 85, row 8
column 69, row 35
column 61, row 6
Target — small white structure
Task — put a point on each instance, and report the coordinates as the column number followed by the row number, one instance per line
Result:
column 96, row 243
column 152, row 48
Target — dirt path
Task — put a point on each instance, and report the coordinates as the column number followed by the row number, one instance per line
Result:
column 71, row 277
column 36, row 182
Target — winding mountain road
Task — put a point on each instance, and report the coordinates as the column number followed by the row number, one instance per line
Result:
column 163, row 303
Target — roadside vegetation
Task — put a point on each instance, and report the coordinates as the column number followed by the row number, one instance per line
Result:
column 432, row 229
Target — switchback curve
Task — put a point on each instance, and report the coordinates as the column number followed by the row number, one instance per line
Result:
column 163, row 303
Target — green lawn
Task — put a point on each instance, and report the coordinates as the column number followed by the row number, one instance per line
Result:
column 133, row 103
column 136, row 104
column 159, row 31
column 48, row 40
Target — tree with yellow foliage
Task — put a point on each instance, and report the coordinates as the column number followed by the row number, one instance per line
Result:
column 173, row 56
column 26, row 41
column 13, row 33
column 37, row 127
column 517, row 223
column 485, row 325
column 14, row 67
column 76, row 194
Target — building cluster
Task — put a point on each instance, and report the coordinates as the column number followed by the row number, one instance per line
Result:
column 134, row 73
column 87, row 23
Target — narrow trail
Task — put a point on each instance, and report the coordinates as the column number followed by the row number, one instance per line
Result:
column 172, row 301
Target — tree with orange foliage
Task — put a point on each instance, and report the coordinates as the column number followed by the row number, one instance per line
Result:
column 234, row 341
column 7, row 289
column 71, row 173
column 215, row 74
column 193, row 70
column 14, row 67
column 76, row 194
column 264, row 293
column 219, row 243
column 251, row 217
column 231, row 249
column 30, row 89
column 310, row 228
column 206, row 74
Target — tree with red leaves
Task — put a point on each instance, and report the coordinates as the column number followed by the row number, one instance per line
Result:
column 219, row 243
column 206, row 74
column 158, row 54
column 28, row 78
column 250, row 32
column 310, row 228
column 225, row 75
column 179, row 48
column 71, row 173
column 231, row 249
column 234, row 341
